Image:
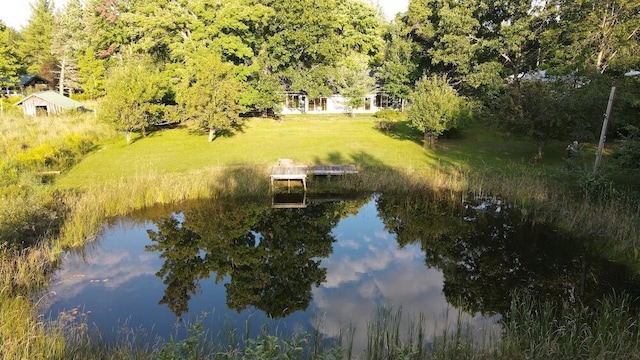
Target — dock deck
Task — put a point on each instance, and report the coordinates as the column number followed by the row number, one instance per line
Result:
column 286, row 172
column 289, row 173
column 330, row 170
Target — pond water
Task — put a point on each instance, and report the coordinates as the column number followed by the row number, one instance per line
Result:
column 321, row 263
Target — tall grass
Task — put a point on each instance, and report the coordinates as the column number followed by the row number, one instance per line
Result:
column 536, row 330
column 19, row 133
column 24, row 335
column 530, row 330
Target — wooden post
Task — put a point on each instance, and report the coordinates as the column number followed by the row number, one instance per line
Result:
column 603, row 133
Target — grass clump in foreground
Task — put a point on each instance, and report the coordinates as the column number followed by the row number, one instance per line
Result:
column 530, row 330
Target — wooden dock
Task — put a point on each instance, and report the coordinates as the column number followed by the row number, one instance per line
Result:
column 331, row 170
column 287, row 172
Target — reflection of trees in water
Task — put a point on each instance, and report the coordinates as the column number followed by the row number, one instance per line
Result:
column 272, row 256
column 490, row 252
column 183, row 267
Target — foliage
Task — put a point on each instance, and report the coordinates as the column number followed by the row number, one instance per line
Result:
column 9, row 59
column 436, row 107
column 35, row 45
column 91, row 73
column 628, row 148
column 135, row 91
column 553, row 110
column 398, row 71
column 591, row 35
column 353, row 80
column 68, row 42
column 387, row 119
column 209, row 94
column 389, row 114
column 263, row 93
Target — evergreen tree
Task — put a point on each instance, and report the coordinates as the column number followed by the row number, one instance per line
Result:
column 9, row 59
column 35, row 46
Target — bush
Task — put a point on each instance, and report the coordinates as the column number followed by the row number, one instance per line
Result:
column 385, row 125
column 389, row 114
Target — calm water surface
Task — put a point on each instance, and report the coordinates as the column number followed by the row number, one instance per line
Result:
column 325, row 266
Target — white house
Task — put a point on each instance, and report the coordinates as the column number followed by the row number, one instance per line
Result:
column 299, row 103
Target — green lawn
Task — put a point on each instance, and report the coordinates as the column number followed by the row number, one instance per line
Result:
column 304, row 139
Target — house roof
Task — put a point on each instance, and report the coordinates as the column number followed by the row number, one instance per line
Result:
column 26, row 79
column 55, row 98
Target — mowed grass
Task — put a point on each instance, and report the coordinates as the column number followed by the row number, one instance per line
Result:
column 305, row 139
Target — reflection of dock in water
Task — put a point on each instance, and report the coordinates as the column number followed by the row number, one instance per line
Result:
column 289, row 200
column 301, row 200
column 285, row 171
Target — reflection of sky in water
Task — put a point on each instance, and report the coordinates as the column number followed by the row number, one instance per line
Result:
column 115, row 281
column 368, row 270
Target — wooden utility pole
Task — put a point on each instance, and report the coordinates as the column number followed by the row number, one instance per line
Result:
column 603, row 133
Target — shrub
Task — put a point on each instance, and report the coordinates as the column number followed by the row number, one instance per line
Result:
column 389, row 114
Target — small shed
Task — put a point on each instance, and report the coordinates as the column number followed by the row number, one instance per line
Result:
column 49, row 103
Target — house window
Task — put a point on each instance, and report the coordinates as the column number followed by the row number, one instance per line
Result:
column 318, row 104
column 382, row 101
column 294, row 102
column 367, row 103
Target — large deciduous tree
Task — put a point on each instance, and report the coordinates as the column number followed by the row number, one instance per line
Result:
column 210, row 94
column 398, row 71
column 134, row 93
column 436, row 107
column 353, row 80
column 592, row 35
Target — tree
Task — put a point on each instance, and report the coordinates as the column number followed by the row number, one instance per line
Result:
column 92, row 73
column 263, row 92
column 398, row 72
column 353, row 80
column 9, row 59
column 453, row 38
column 69, row 40
column 210, row 93
column 592, row 35
column 134, row 93
column 35, row 46
column 436, row 107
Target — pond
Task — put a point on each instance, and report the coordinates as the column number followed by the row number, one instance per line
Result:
column 303, row 263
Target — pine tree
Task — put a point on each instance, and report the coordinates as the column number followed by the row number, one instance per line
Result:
column 35, row 46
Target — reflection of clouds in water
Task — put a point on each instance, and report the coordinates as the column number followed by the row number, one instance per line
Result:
column 349, row 244
column 383, row 235
column 341, row 270
column 387, row 276
column 110, row 269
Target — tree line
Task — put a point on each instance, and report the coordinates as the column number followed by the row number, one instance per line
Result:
column 207, row 61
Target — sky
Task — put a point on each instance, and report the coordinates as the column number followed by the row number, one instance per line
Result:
column 15, row 13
